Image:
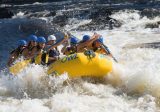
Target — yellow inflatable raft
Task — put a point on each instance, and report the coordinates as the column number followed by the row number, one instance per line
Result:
column 77, row 65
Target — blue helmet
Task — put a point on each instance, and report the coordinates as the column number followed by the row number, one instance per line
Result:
column 41, row 40
column 21, row 43
column 86, row 37
column 32, row 38
column 100, row 39
column 73, row 40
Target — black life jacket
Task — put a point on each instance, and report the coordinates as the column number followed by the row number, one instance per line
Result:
column 53, row 53
column 18, row 51
column 72, row 49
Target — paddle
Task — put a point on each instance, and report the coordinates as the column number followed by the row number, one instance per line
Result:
column 50, row 47
column 16, row 68
column 70, row 35
column 106, row 48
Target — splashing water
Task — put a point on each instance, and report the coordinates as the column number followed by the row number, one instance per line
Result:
column 132, row 86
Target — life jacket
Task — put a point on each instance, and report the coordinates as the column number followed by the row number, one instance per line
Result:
column 53, row 53
column 18, row 51
column 41, row 58
column 99, row 50
column 72, row 50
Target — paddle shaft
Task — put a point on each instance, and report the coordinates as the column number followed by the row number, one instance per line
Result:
column 47, row 49
column 106, row 48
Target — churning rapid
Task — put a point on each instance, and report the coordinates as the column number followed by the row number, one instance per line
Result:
column 133, row 86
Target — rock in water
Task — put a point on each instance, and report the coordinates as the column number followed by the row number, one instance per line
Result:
column 5, row 13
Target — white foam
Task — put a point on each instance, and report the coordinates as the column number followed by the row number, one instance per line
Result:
column 137, row 73
column 19, row 15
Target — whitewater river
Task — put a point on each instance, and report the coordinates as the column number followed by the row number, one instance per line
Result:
column 133, row 86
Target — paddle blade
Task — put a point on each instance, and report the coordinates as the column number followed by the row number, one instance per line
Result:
column 16, row 68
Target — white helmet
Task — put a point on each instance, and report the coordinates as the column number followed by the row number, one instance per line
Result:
column 51, row 37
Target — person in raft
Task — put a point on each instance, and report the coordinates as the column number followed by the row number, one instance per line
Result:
column 31, row 49
column 72, row 48
column 47, row 52
column 17, row 52
column 95, row 44
column 53, row 52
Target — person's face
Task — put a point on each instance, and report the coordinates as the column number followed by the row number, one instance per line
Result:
column 41, row 45
column 51, row 42
column 22, row 47
column 33, row 43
